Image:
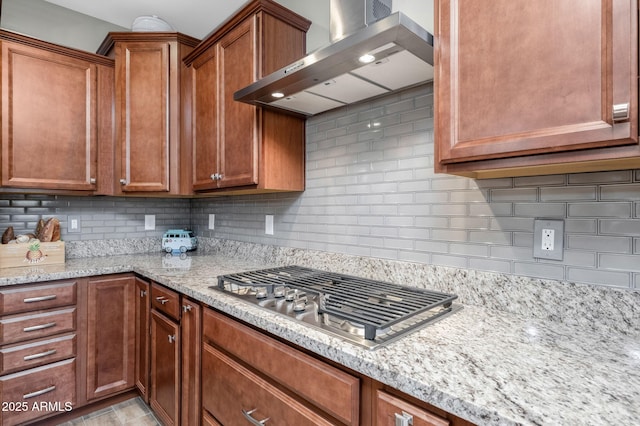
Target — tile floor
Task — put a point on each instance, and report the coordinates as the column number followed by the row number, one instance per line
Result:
column 131, row 412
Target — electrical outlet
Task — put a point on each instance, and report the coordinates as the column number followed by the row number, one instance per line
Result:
column 268, row 224
column 548, row 239
column 73, row 224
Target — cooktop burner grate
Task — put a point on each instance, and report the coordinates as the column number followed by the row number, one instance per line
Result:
column 375, row 305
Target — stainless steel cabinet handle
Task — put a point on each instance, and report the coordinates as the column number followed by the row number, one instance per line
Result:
column 247, row 415
column 162, row 300
column 186, row 308
column 620, row 112
column 123, row 181
column 404, row 419
column 92, row 180
column 214, row 176
column 39, row 298
column 172, row 338
column 40, row 355
column 38, row 393
column 39, row 327
column 143, row 293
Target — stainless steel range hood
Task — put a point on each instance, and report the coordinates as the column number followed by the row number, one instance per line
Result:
column 334, row 76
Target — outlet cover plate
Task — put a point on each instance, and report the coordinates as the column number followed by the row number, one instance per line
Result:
column 542, row 227
column 73, row 224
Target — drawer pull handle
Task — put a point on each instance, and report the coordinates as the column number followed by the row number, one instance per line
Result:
column 39, row 298
column 38, row 393
column 404, row 419
column 39, row 327
column 162, row 299
column 248, row 416
column 40, row 355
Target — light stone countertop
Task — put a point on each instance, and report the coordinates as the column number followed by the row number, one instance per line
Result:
column 487, row 366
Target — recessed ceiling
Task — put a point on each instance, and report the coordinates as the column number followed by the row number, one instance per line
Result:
column 192, row 17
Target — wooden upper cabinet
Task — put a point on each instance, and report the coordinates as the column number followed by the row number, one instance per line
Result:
column 56, row 111
column 149, row 109
column 237, row 146
column 525, row 88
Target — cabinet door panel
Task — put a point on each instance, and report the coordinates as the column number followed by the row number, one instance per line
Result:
column 191, row 334
column 48, row 120
column 144, row 124
column 238, row 143
column 204, row 74
column 165, row 369
column 503, row 92
column 110, row 336
column 143, row 308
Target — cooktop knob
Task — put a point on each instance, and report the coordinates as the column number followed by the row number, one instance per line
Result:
column 261, row 293
column 279, row 291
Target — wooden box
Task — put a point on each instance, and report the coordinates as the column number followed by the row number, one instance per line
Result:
column 29, row 254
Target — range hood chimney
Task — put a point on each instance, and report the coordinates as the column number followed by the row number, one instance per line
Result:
column 373, row 52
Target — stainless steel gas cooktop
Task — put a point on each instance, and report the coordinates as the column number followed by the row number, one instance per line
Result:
column 365, row 312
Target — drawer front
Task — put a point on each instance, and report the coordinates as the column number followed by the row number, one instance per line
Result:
column 35, row 297
column 389, row 409
column 38, row 392
column 234, row 394
column 165, row 301
column 33, row 354
column 18, row 328
column 332, row 390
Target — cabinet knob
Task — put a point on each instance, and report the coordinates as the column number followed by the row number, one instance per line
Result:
column 92, row 181
column 123, row 181
column 404, row 419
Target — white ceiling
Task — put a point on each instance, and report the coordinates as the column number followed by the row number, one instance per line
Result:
column 193, row 17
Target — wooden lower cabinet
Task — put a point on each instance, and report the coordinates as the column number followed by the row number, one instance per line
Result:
column 190, row 389
column 38, row 392
column 110, row 335
column 143, row 310
column 165, row 368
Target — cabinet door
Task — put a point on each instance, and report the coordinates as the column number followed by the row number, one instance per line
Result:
column 391, row 411
column 110, row 336
column 48, row 119
column 238, row 121
column 165, row 369
column 204, row 97
column 143, row 308
column 142, row 108
column 524, row 78
column 191, row 331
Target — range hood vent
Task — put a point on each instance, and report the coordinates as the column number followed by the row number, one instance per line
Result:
column 401, row 56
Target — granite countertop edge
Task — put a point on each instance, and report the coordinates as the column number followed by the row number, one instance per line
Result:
column 486, row 366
